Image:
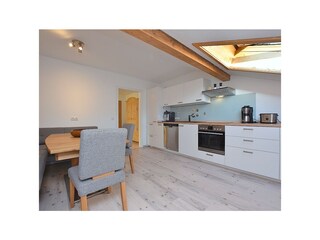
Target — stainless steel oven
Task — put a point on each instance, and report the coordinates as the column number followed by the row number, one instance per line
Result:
column 211, row 138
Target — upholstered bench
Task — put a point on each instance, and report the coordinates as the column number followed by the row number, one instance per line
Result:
column 46, row 158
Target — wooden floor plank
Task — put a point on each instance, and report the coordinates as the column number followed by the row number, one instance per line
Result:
column 164, row 181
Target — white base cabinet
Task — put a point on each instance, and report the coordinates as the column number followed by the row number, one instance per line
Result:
column 156, row 134
column 211, row 157
column 254, row 149
column 188, row 139
column 259, row 162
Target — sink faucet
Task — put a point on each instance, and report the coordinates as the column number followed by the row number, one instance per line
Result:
column 191, row 115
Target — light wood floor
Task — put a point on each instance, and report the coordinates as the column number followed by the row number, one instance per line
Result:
column 166, row 181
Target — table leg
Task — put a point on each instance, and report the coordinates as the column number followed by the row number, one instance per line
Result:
column 74, row 162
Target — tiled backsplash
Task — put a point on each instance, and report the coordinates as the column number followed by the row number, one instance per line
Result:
column 220, row 109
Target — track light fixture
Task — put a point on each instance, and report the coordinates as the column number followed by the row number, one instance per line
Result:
column 78, row 44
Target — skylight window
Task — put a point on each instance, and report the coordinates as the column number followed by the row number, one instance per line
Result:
column 254, row 55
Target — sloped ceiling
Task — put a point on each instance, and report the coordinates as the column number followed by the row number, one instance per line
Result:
column 116, row 51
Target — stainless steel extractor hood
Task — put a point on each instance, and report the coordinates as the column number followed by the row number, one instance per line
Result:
column 219, row 92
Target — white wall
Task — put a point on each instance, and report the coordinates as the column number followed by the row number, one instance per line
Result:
column 266, row 86
column 71, row 90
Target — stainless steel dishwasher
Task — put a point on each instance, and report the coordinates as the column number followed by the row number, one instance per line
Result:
column 171, row 136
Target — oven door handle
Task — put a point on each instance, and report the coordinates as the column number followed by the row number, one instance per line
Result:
column 212, row 133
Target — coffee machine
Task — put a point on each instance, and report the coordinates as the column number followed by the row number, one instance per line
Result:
column 168, row 116
column 247, row 114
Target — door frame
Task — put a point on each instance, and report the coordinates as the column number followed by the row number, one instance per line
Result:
column 139, row 91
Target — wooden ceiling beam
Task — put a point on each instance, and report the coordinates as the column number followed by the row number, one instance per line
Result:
column 168, row 44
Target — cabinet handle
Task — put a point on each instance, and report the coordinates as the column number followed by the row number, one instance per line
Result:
column 247, row 140
column 180, row 102
column 248, row 129
column 150, row 124
column 247, row 152
column 181, row 125
column 199, row 99
column 208, row 154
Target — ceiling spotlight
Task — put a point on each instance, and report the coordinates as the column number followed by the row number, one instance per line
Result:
column 78, row 44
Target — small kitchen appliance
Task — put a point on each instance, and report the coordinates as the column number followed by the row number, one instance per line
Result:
column 268, row 117
column 168, row 116
column 247, row 114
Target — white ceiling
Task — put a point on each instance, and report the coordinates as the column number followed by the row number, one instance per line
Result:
column 116, row 51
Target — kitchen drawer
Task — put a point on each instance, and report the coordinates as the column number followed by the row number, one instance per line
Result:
column 258, row 162
column 212, row 157
column 253, row 132
column 254, row 143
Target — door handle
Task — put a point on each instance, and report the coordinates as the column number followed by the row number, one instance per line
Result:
column 247, row 152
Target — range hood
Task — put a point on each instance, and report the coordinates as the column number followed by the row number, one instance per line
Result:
column 219, row 92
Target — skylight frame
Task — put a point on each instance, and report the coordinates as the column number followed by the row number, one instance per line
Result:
column 234, row 43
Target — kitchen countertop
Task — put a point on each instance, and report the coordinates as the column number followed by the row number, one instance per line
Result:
column 278, row 125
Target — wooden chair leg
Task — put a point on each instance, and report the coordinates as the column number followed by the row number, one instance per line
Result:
column 131, row 163
column 124, row 196
column 84, row 203
column 71, row 186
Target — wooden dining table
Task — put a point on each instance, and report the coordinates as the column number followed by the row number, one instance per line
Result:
column 65, row 146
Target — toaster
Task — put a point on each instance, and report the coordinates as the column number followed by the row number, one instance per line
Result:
column 268, row 117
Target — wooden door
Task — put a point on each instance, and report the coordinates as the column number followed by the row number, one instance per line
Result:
column 132, row 109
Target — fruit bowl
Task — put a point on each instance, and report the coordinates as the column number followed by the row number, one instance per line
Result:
column 76, row 132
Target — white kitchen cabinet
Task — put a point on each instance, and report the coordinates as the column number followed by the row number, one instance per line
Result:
column 188, row 139
column 259, row 162
column 187, row 93
column 173, row 95
column 253, row 149
column 193, row 91
column 155, row 114
column 156, row 134
column 211, row 157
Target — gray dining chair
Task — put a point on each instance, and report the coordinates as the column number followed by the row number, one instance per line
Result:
column 130, row 129
column 101, row 164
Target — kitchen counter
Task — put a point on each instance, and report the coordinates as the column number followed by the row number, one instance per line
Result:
column 278, row 125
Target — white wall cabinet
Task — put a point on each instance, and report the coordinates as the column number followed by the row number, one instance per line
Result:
column 187, row 93
column 188, row 139
column 254, row 149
